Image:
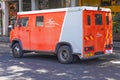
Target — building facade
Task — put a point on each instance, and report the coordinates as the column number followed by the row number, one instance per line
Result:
column 10, row 8
column 0, row 19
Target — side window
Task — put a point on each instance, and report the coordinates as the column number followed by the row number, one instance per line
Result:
column 39, row 21
column 98, row 19
column 18, row 22
column 88, row 20
column 24, row 21
column 107, row 20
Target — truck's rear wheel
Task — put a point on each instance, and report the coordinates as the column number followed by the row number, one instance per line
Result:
column 17, row 50
column 65, row 54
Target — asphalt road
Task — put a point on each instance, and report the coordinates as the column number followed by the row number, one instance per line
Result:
column 46, row 67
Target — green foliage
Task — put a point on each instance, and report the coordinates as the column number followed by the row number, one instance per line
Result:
column 116, row 23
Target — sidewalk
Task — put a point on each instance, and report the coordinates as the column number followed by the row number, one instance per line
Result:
column 4, row 39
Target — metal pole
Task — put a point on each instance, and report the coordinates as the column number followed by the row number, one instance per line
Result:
column 20, row 5
column 33, row 5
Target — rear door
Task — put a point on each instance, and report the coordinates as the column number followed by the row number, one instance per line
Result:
column 37, row 33
column 94, row 29
column 99, row 18
column 103, row 31
column 88, row 33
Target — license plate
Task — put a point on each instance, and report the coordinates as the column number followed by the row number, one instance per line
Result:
column 89, row 54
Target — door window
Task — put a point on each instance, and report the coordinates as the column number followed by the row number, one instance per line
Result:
column 18, row 22
column 98, row 19
column 88, row 20
column 107, row 20
column 39, row 21
column 24, row 21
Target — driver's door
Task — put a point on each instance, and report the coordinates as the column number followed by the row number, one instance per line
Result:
column 24, row 32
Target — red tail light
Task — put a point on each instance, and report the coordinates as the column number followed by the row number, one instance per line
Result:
column 89, row 48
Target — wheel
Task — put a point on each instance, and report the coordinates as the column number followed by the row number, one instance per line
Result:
column 65, row 54
column 17, row 51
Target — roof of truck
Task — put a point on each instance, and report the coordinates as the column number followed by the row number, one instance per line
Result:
column 64, row 9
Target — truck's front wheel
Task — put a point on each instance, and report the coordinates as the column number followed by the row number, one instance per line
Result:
column 17, row 50
column 65, row 54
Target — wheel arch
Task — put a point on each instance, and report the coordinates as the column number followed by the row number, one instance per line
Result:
column 16, row 41
column 61, row 44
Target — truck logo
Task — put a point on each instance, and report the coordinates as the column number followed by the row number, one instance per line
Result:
column 99, row 35
column 52, row 23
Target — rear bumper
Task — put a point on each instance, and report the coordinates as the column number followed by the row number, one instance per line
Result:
column 95, row 56
column 108, row 51
column 98, row 54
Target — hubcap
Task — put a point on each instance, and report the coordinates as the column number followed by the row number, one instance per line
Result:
column 64, row 54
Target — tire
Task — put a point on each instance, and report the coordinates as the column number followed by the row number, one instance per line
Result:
column 75, row 58
column 65, row 55
column 17, row 51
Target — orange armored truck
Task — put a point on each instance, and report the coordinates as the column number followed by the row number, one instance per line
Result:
column 85, row 32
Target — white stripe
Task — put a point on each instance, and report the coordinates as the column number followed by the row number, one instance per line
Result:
column 42, row 11
column 63, row 25
column 64, row 9
column 71, row 30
